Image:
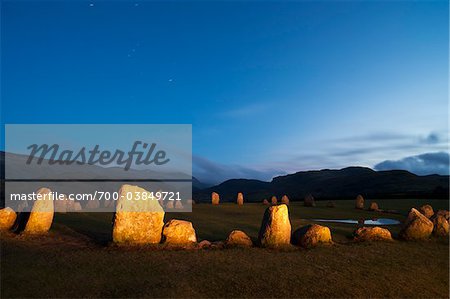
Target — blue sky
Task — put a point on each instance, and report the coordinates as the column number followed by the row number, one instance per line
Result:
column 269, row 87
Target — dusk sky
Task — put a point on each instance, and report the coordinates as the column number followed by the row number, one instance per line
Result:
column 269, row 87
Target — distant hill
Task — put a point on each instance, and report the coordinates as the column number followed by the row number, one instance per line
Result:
column 335, row 184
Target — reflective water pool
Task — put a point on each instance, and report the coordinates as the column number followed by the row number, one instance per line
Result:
column 379, row 221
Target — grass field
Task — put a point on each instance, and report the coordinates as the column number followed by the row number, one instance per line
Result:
column 76, row 259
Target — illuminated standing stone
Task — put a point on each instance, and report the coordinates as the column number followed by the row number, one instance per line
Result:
column 274, row 200
column 239, row 238
column 41, row 215
column 373, row 206
column 285, row 199
column 359, row 202
column 240, row 199
column 137, row 221
column 275, row 228
column 7, row 218
column 215, row 198
column 416, row 226
column 179, row 232
column 440, row 226
column 178, row 205
column 312, row 235
column 427, row 210
column 266, row 202
column 372, row 234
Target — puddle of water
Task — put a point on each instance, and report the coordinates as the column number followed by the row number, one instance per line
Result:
column 379, row 221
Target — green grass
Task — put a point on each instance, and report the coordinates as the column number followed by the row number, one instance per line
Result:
column 76, row 259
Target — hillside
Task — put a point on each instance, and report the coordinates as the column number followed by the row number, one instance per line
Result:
column 335, row 184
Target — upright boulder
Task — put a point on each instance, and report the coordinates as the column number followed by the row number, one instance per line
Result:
column 62, row 204
column 372, row 234
column 266, row 202
column 7, row 218
column 443, row 213
column 41, row 216
column 312, row 235
column 137, row 221
column 179, row 232
column 359, row 202
column 215, row 198
column 427, row 210
column 373, row 206
column 169, row 204
column 239, row 238
column 309, row 201
column 178, row 205
column 274, row 200
column 240, row 199
column 275, row 228
column 440, row 228
column 416, row 226
column 285, row 199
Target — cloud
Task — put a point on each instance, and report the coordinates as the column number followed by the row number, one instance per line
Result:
column 207, row 171
column 424, row 164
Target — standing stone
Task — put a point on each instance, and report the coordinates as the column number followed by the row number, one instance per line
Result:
column 331, row 204
column 285, row 200
column 239, row 238
column 179, row 232
column 92, row 204
column 178, row 205
column 416, row 226
column 7, row 218
column 427, row 210
column 240, row 199
column 62, row 204
column 191, row 202
column 274, row 200
column 215, row 198
column 309, row 201
column 312, row 235
column 77, row 206
column 373, row 206
column 443, row 213
column 359, row 202
column 266, row 202
column 169, row 204
column 372, row 234
column 275, row 228
column 137, row 221
column 41, row 215
column 440, row 228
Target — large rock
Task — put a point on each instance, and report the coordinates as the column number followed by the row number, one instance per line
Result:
column 373, row 206
column 61, row 204
column 275, row 228
column 312, row 235
column 274, row 200
column 440, row 228
column 240, row 199
column 427, row 210
column 416, row 226
column 178, row 205
column 137, row 221
column 443, row 213
column 7, row 218
column 372, row 234
column 77, row 206
column 169, row 204
column 215, row 198
column 266, row 202
column 359, row 202
column 41, row 216
column 239, row 238
column 285, row 199
column 179, row 232
column 309, row 201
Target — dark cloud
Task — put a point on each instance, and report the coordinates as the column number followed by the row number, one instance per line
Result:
column 424, row 164
column 432, row 138
column 207, row 171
